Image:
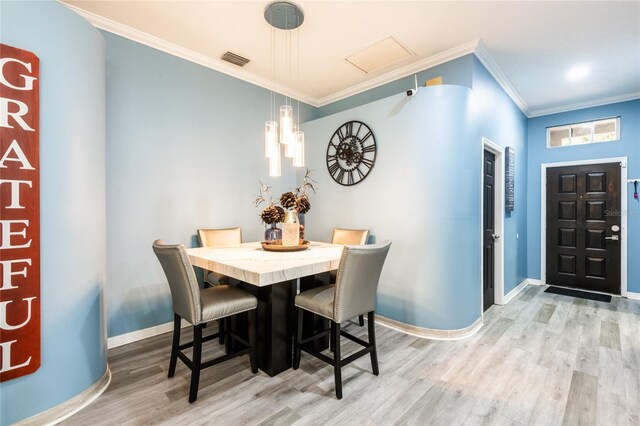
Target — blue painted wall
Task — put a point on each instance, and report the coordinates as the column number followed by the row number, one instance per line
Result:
column 422, row 194
column 185, row 150
column 499, row 120
column 455, row 72
column 423, row 147
column 72, row 203
column 628, row 146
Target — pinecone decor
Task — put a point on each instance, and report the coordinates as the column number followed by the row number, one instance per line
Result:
column 302, row 204
column 272, row 214
column 288, row 200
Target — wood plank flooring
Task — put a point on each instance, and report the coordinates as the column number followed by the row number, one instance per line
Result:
column 543, row 359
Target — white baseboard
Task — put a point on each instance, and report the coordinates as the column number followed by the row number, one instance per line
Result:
column 68, row 408
column 632, row 295
column 430, row 333
column 533, row 281
column 513, row 293
column 134, row 336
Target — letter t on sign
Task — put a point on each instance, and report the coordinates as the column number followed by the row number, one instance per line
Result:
column 20, row 213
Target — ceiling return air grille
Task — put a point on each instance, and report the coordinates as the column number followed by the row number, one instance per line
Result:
column 234, row 59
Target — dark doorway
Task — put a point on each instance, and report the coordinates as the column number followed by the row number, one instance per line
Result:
column 583, row 227
column 488, row 227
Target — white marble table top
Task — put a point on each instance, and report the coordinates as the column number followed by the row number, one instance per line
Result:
column 248, row 262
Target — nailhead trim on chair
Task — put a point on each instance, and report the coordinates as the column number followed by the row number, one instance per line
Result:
column 341, row 266
column 317, row 313
column 195, row 288
column 229, row 315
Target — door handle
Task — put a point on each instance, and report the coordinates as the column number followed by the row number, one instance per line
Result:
column 612, row 238
column 495, row 237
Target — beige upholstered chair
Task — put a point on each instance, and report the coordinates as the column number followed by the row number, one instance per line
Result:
column 214, row 238
column 200, row 306
column 352, row 237
column 353, row 294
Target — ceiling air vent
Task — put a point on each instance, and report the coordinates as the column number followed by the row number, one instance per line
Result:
column 234, row 59
column 380, row 55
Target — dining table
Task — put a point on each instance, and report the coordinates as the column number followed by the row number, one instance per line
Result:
column 274, row 278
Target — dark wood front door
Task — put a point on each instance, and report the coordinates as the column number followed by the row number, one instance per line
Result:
column 583, row 227
column 488, row 227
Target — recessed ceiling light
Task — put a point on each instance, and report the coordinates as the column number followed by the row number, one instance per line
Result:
column 578, row 72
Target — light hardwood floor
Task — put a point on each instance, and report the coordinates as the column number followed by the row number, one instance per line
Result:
column 542, row 359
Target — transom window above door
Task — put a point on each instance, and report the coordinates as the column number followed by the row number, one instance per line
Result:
column 606, row 130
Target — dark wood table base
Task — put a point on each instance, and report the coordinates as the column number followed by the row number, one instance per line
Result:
column 275, row 323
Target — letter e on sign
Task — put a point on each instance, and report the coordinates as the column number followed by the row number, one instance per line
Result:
column 19, row 213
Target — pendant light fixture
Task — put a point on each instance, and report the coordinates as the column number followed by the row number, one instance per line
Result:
column 286, row 16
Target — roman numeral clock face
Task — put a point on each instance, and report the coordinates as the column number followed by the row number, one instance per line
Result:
column 351, row 153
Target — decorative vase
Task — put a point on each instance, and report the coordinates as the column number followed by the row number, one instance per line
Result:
column 290, row 229
column 301, row 220
column 273, row 233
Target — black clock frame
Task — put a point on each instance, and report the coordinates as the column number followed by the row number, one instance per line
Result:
column 345, row 152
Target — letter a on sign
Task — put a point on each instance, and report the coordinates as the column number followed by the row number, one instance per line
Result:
column 19, row 212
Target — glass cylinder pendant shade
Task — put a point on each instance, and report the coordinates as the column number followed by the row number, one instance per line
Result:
column 274, row 162
column 298, row 149
column 270, row 138
column 289, row 146
column 286, row 124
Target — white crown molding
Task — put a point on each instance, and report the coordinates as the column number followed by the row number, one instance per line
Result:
column 190, row 55
column 483, row 55
column 588, row 104
column 423, row 64
column 476, row 47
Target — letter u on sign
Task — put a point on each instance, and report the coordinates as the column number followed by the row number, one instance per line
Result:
column 19, row 212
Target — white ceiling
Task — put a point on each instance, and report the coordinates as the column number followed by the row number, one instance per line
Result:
column 528, row 46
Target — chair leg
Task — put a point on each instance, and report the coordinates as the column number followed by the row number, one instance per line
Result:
column 361, row 320
column 221, row 330
column 197, row 357
column 227, row 337
column 297, row 337
column 332, row 340
column 337, row 361
column 253, row 341
column 372, row 342
column 174, row 345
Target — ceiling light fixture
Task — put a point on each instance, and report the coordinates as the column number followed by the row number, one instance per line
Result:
column 578, row 72
column 287, row 16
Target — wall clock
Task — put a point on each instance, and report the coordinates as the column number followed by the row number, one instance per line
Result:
column 351, row 153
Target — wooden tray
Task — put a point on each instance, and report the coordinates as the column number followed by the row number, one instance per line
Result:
column 268, row 246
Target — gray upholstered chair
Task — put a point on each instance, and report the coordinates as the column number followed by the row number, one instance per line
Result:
column 353, row 294
column 215, row 238
column 200, row 306
column 352, row 237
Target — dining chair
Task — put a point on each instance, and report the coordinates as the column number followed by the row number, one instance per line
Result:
column 353, row 294
column 353, row 237
column 199, row 306
column 215, row 238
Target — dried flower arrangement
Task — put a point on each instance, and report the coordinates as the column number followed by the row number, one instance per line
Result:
column 272, row 213
column 301, row 203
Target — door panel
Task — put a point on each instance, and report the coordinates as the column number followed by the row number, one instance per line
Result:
column 580, row 250
column 488, row 226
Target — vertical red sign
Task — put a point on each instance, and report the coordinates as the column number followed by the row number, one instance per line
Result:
column 19, row 213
